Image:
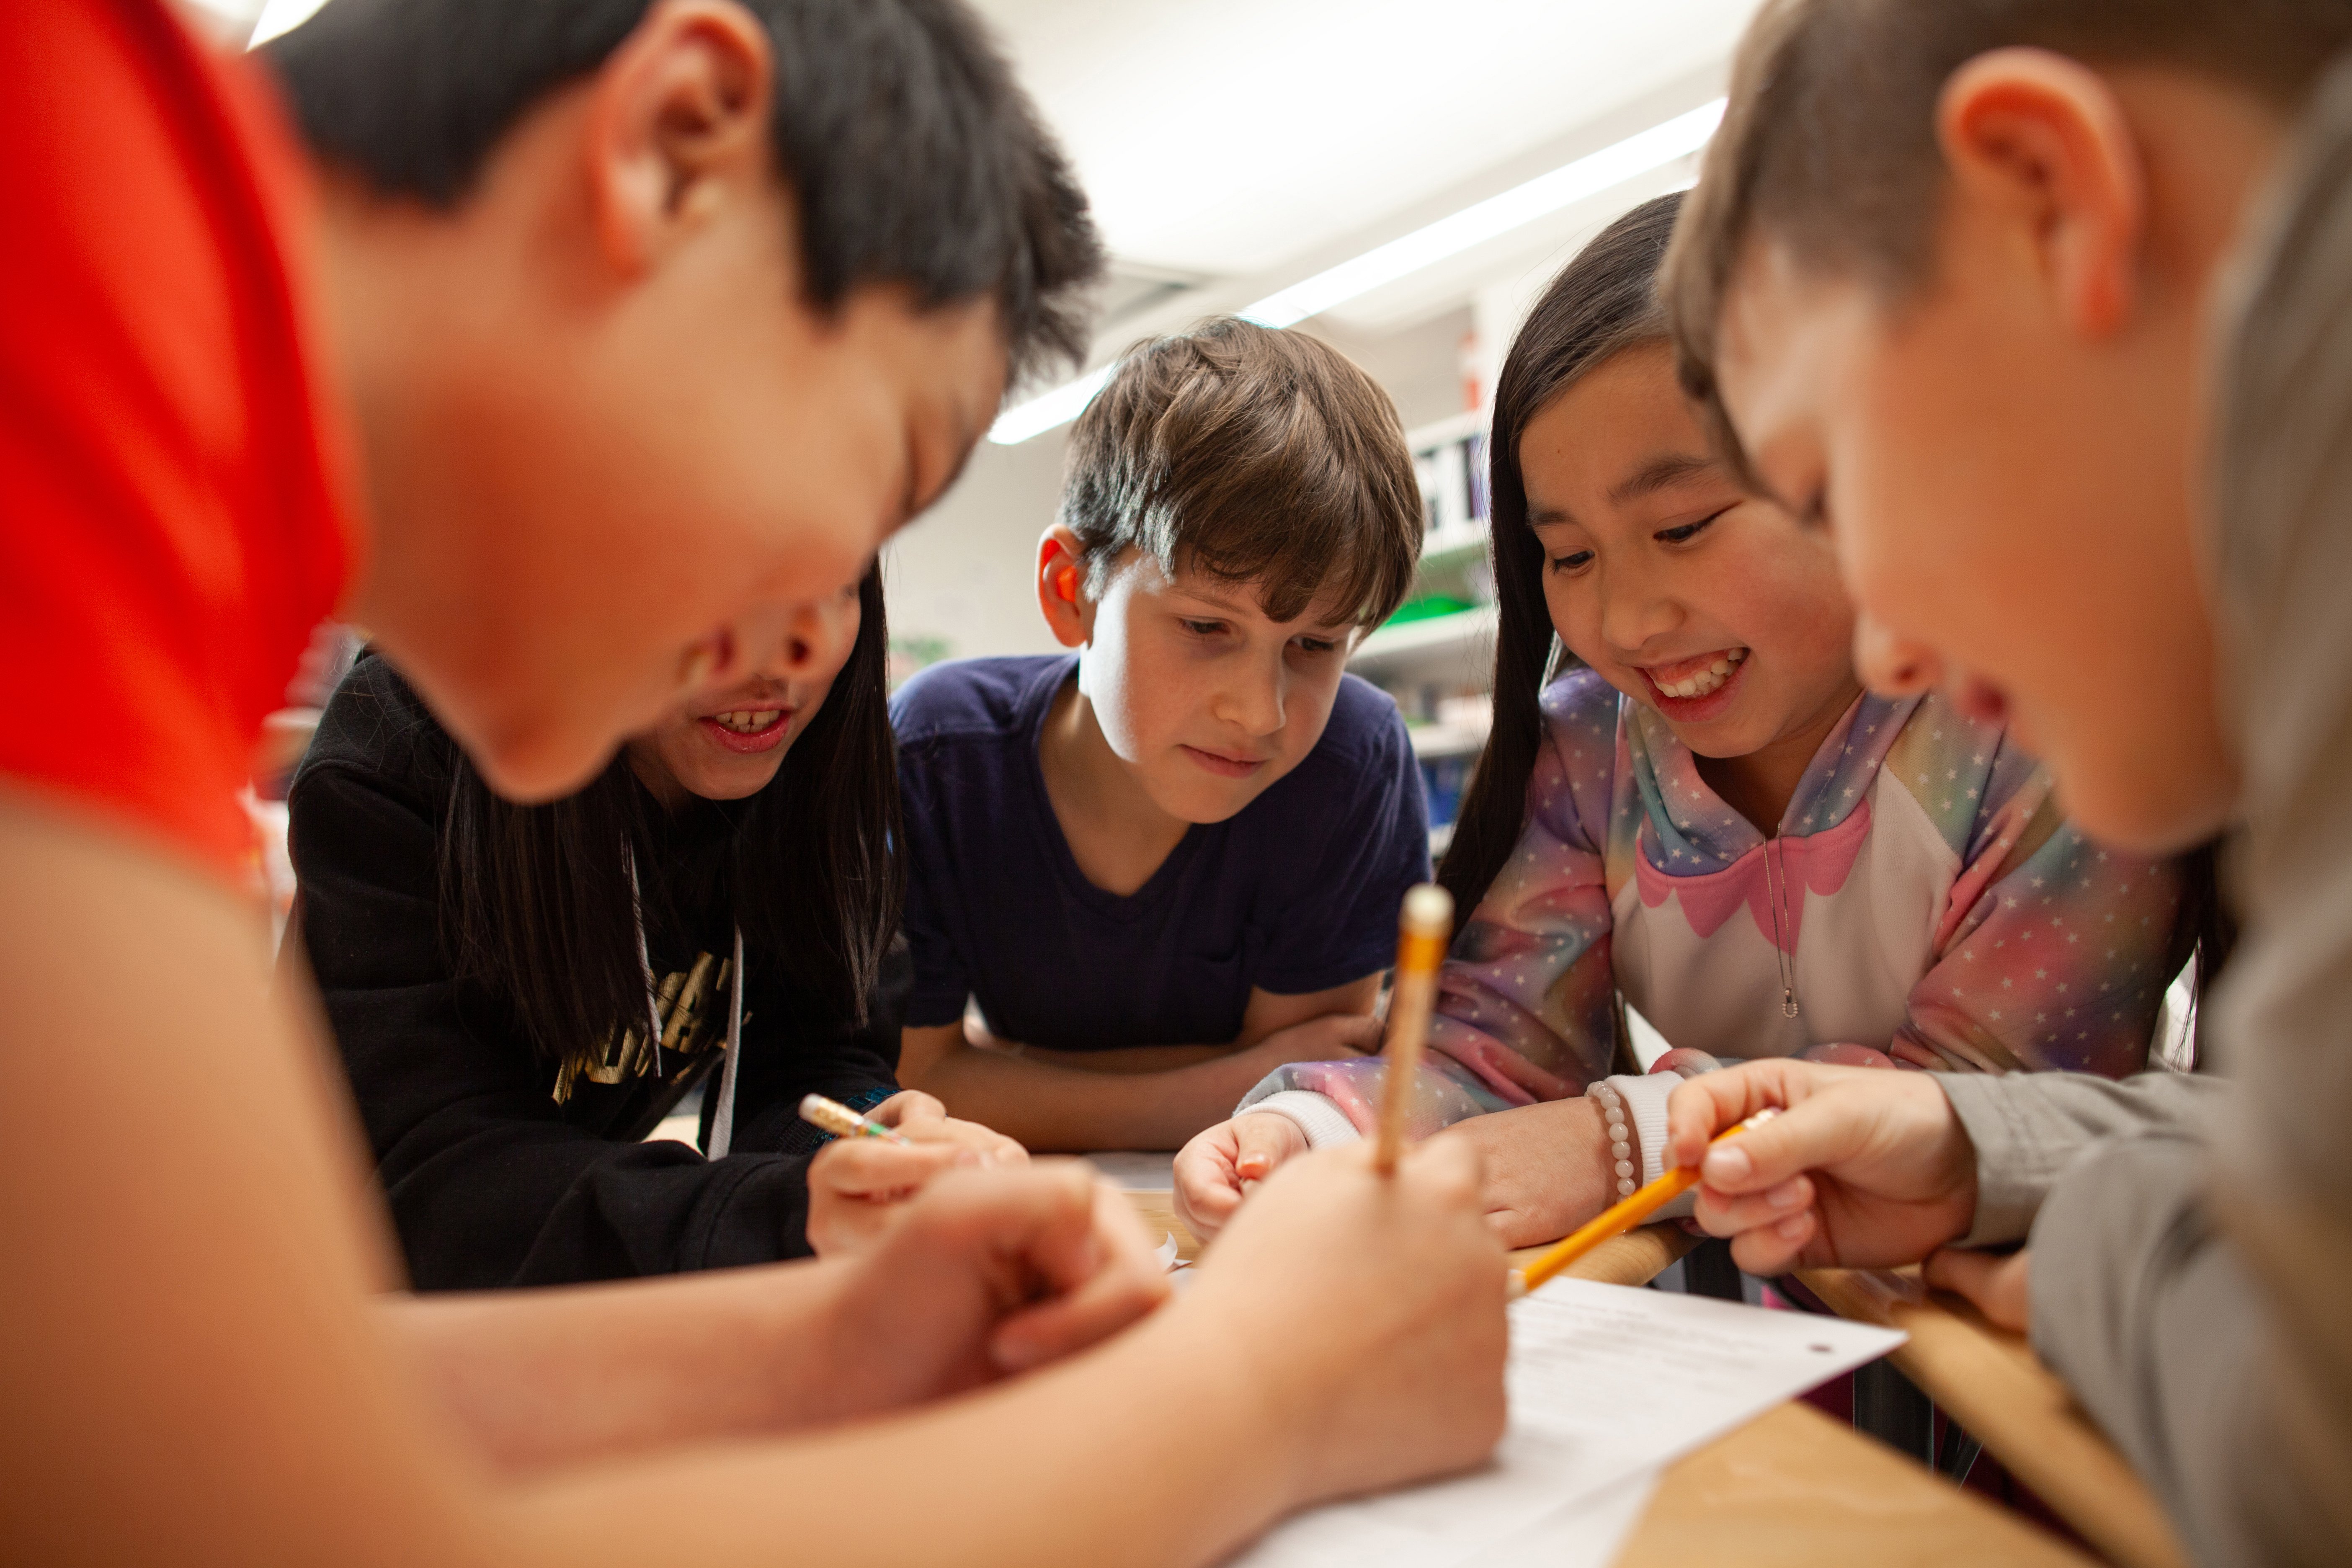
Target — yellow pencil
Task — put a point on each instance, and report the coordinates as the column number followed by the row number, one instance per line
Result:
column 1424, row 928
column 843, row 1122
column 1624, row 1215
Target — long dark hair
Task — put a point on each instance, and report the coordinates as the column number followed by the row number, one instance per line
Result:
column 535, row 900
column 1603, row 302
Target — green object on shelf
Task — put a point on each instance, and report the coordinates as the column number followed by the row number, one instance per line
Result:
column 1428, row 608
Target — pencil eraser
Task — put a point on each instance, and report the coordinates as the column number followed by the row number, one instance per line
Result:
column 1429, row 910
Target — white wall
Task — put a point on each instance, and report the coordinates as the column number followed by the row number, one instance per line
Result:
column 961, row 573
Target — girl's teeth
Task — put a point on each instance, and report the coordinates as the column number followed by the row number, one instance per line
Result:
column 747, row 721
column 1707, row 681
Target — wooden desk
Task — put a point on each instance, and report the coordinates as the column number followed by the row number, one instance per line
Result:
column 1989, row 1380
column 1794, row 1488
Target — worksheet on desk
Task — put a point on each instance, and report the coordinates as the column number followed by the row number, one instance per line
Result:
column 1606, row 1384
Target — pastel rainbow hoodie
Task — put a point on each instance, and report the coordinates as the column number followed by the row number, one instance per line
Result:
column 1930, row 901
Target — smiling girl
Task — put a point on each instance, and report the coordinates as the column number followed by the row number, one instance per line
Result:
column 1704, row 814
column 522, row 994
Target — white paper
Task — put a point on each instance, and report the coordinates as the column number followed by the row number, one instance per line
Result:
column 1607, row 1385
column 1586, row 1533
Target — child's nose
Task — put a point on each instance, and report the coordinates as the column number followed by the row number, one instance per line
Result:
column 1255, row 701
column 816, row 636
column 1632, row 611
column 1891, row 664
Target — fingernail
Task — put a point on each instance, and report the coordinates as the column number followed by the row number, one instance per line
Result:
column 1784, row 1196
column 1791, row 1228
column 1724, row 1166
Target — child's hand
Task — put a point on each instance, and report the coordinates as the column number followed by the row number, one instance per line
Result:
column 987, row 1272
column 1865, row 1168
column 1215, row 1171
column 1996, row 1284
column 858, row 1185
column 1370, row 1313
column 921, row 1118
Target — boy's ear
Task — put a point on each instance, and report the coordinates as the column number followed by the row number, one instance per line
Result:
column 676, row 129
column 2038, row 145
column 1061, row 587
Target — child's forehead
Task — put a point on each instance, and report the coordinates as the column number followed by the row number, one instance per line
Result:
column 1194, row 583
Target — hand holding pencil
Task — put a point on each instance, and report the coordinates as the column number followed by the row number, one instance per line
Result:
column 1862, row 1169
column 859, row 1183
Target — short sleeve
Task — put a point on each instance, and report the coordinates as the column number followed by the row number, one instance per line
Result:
column 1373, row 847
column 943, row 982
column 171, row 523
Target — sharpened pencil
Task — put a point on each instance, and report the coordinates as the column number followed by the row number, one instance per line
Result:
column 1424, row 928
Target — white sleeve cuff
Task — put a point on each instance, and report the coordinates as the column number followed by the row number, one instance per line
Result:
column 1317, row 1116
column 1645, row 1107
column 1645, row 1103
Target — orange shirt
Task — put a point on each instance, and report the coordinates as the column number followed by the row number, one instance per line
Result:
column 173, row 514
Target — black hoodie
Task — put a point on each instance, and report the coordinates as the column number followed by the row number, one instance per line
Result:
column 491, row 1180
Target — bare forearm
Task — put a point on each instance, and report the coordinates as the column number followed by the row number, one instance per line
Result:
column 1125, row 1455
column 1129, row 1058
column 588, row 1372
column 1053, row 1107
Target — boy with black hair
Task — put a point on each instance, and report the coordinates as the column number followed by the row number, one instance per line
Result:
column 1952, row 284
column 628, row 416
column 1171, row 861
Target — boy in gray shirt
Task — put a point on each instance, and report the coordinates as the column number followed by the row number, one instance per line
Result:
column 1946, row 285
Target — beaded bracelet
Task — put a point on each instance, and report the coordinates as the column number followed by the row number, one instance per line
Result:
column 1620, row 1136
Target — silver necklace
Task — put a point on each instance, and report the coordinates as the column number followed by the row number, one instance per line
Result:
column 1777, row 896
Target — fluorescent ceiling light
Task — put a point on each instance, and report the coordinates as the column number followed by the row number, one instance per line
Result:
column 1539, row 197
column 282, row 16
column 1046, row 410
column 1546, row 193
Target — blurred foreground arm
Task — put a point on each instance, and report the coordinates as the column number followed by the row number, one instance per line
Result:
column 195, row 1371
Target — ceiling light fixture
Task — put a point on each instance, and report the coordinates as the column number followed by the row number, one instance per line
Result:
column 1546, row 193
column 281, row 16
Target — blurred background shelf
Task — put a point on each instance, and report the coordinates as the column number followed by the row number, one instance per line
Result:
column 1436, row 655
column 1466, row 637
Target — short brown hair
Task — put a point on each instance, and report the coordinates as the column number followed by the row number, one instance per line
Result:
column 1829, row 143
column 1255, row 455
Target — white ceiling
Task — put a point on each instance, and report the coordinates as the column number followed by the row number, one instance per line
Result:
column 1227, row 136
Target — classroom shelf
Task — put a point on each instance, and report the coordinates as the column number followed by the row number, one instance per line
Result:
column 1441, row 546
column 1447, row 740
column 1465, row 635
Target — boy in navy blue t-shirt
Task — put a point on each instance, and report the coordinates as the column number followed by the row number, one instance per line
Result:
column 1171, row 861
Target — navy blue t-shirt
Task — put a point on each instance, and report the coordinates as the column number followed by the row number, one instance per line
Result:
column 1295, row 892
